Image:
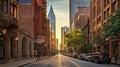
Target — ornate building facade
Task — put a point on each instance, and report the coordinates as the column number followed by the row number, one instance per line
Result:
column 8, row 29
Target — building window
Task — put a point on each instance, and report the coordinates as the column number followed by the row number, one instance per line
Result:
column 114, row 6
column 106, row 2
column 119, row 3
column 94, row 12
column 5, row 5
column 104, row 15
column 99, row 20
column 98, row 7
column 13, row 9
column 108, row 12
column 15, row 12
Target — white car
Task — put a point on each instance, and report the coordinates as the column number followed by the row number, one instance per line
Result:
column 88, row 56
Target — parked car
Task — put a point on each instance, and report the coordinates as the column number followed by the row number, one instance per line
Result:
column 88, row 56
column 101, row 57
column 82, row 56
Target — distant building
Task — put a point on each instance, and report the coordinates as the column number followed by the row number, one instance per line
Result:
column 52, row 18
column 81, row 17
column 74, row 4
column 64, row 31
column 81, row 20
column 40, row 27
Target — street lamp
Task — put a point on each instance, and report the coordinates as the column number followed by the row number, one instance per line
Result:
column 110, row 45
column 16, row 38
column 106, row 39
column 16, row 46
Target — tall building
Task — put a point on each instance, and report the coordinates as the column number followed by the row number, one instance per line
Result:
column 45, row 28
column 40, row 26
column 81, row 17
column 74, row 4
column 8, row 30
column 51, row 17
column 81, row 20
column 64, row 31
column 100, row 10
column 26, row 29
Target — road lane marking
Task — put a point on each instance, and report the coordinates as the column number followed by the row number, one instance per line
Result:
column 71, row 61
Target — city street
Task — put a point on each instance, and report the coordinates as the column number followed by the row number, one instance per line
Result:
column 64, row 61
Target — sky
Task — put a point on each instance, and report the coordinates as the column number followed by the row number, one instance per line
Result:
column 24, row 1
column 61, row 10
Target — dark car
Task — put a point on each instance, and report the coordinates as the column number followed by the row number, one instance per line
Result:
column 101, row 57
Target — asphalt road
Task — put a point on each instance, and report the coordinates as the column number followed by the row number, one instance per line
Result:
column 64, row 61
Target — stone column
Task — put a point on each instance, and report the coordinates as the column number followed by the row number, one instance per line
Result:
column 32, row 49
column 7, row 49
column 15, row 50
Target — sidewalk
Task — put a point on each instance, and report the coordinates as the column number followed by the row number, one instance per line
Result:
column 18, row 63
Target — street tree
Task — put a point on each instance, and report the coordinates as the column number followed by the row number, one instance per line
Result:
column 112, row 29
column 76, row 39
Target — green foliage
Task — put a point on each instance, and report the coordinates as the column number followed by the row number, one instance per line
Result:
column 88, row 47
column 113, row 27
column 98, row 39
column 75, row 39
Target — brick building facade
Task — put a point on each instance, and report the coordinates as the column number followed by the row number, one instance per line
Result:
column 40, row 27
column 25, row 30
column 100, row 10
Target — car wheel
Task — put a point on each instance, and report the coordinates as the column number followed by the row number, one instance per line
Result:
column 96, row 61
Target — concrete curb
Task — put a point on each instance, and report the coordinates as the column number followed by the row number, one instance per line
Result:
column 26, row 64
column 33, row 62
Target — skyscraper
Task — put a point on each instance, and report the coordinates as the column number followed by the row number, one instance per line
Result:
column 64, row 31
column 51, row 17
column 74, row 4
